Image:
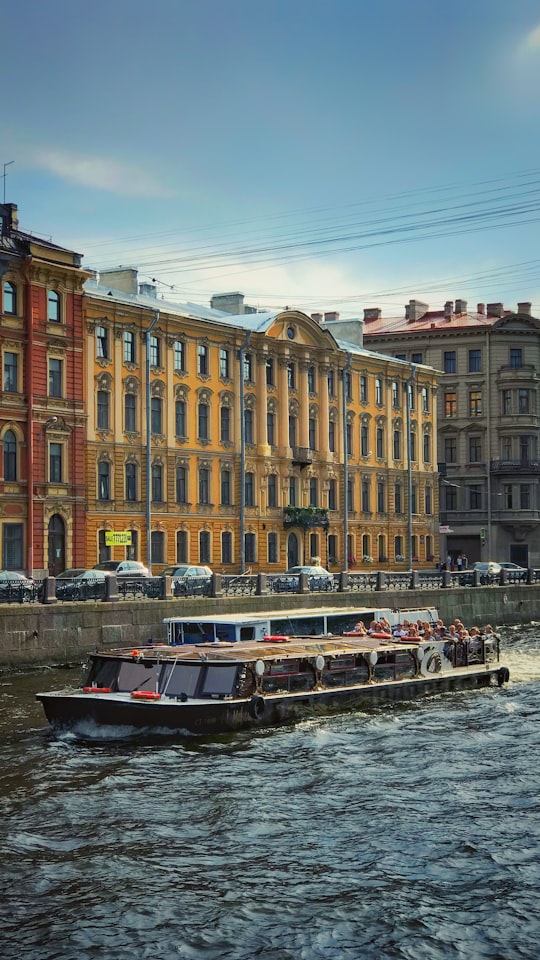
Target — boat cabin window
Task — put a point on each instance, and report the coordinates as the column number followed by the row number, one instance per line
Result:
column 298, row 626
column 247, row 633
column 219, row 681
column 179, row 678
column 102, row 673
column 345, row 671
column 288, row 676
column 137, row 676
column 395, row 665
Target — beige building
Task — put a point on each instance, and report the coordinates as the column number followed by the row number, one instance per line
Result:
column 488, row 416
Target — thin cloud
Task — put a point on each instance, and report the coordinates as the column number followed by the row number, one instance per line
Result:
column 532, row 40
column 100, row 173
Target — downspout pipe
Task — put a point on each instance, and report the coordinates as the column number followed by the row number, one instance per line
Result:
column 241, row 356
column 344, row 372
column 149, row 444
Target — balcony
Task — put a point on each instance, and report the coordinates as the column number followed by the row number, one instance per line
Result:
column 521, row 467
column 305, row 517
column 302, row 456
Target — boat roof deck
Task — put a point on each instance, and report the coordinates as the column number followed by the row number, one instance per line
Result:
column 284, row 614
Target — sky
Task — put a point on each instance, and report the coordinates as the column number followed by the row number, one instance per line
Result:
column 318, row 154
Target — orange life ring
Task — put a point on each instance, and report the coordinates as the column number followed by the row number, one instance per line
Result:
column 380, row 636
column 145, row 695
column 97, row 690
column 275, row 638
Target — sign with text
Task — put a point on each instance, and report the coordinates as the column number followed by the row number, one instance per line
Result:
column 118, row 538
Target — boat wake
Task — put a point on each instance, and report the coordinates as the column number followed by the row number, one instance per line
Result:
column 90, row 732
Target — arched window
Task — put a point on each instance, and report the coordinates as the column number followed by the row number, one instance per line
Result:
column 10, row 298
column 53, row 306
column 10, row 456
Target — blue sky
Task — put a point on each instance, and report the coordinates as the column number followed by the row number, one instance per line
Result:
column 324, row 155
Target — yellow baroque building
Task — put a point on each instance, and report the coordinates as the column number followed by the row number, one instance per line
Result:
column 252, row 442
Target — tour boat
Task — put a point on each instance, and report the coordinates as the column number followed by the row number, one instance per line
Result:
column 218, row 686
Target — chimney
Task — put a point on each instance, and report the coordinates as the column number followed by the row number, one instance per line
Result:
column 232, row 303
column 461, row 306
column 351, row 330
column 415, row 310
column 372, row 313
column 481, row 308
column 317, row 317
column 121, row 278
column 148, row 290
column 331, row 317
column 448, row 309
column 525, row 307
column 495, row 309
column 9, row 218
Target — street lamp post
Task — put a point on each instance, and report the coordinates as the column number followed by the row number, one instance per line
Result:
column 149, row 444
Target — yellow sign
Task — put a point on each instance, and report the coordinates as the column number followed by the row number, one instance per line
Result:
column 120, row 538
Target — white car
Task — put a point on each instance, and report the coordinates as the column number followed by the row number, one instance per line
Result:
column 318, row 578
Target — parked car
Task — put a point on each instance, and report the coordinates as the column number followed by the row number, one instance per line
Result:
column 124, row 569
column 80, row 584
column 15, row 587
column 488, row 570
column 318, row 578
column 506, row 565
column 188, row 579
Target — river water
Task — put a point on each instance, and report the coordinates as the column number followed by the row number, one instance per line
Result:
column 411, row 831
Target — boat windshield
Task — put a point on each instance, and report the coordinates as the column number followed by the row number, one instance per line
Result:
column 199, row 679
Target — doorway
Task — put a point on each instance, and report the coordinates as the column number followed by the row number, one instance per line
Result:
column 56, row 545
column 292, row 550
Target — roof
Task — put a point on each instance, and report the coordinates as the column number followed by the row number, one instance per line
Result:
column 195, row 310
column 431, row 320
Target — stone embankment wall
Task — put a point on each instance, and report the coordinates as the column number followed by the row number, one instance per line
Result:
column 33, row 635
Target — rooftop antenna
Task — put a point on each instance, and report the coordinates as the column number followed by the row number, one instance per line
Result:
column 4, row 175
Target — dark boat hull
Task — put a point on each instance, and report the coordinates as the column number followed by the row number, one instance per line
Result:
column 69, row 710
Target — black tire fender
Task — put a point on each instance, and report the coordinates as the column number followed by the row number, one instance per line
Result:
column 503, row 675
column 257, row 707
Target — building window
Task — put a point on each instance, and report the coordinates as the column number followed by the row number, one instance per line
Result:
column 523, row 401
column 395, row 395
column 381, row 497
column 428, row 501
column 203, row 421
column 102, row 342
column 204, row 485
column 363, row 389
column 475, row 361
column 397, row 445
column 250, row 548
column 102, row 410
column 155, row 351
column 55, row 463
column 397, row 499
column 508, row 497
column 10, row 298
column 378, row 392
column 332, row 436
column 53, row 306
column 156, row 418
column 272, row 548
column 11, row 372
column 312, row 433
column 270, row 381
column 414, row 500
column 129, row 346
column 348, row 387
column 179, row 356
column 411, row 396
column 226, row 487
column 525, row 444
column 157, row 546
column 417, row 358
column 226, row 546
column 524, row 496
column 398, row 547
column 380, row 443
column 181, row 546
column 272, row 490
column 313, row 492
column 10, row 456
column 331, row 384
column 475, row 403
column 425, row 400
column 450, row 404
column 130, row 416
column 450, row 496
column 224, row 363
column 332, row 500
column 311, row 380
column 132, row 549
column 157, row 483
column 56, row 369
column 332, row 548
column 412, row 445
column 349, row 439
column 131, row 482
column 507, row 401
column 364, row 440
column 248, row 367
column 292, row 431
column 291, row 376
column 314, row 544
column 506, row 451
column 249, row 487
column 365, row 496
column 427, row 448
column 180, row 418
column 248, row 425
column 450, row 450
column 204, row 546
column 516, row 358
column 225, row 424
column 475, row 496
column 202, row 359
column 12, row 546
column 104, row 480
column 475, row 449
column 449, row 361
column 270, row 429
column 181, row 484
column 292, row 491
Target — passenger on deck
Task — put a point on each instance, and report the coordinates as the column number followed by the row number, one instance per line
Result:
column 360, row 628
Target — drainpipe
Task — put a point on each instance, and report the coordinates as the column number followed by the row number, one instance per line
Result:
column 344, row 373
column 408, row 389
column 149, row 444
column 241, row 355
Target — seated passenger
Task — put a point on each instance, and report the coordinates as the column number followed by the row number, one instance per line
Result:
column 360, row 627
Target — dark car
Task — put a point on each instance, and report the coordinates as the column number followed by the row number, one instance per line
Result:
column 15, row 587
column 189, row 579
column 124, row 569
column 80, row 584
column 318, row 578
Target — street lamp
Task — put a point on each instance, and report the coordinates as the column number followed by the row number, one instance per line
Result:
column 149, row 444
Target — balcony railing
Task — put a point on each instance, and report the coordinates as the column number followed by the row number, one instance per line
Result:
column 302, row 455
column 523, row 466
